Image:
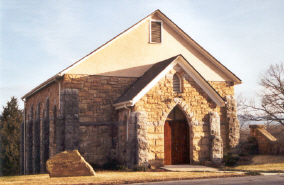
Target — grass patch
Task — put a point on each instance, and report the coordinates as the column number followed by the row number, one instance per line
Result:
column 261, row 163
column 276, row 168
column 111, row 177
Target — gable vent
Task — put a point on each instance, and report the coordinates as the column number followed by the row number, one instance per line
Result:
column 176, row 84
column 156, row 31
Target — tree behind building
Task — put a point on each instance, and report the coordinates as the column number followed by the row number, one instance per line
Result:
column 270, row 110
column 10, row 138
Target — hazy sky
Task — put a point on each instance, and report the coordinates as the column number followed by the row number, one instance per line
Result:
column 40, row 38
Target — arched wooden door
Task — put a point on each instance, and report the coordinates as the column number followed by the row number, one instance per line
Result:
column 176, row 138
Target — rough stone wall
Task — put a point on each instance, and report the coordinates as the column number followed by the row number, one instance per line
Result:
column 216, row 153
column 51, row 91
column 233, row 126
column 267, row 144
column 122, row 132
column 45, row 136
column 36, row 140
column 199, row 143
column 142, row 141
column 68, row 127
column 224, row 89
column 155, row 137
column 156, row 101
column 194, row 102
column 131, row 142
column 97, row 95
column 29, row 142
column 276, row 148
column 96, row 143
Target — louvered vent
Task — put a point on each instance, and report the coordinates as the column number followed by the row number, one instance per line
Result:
column 176, row 84
column 156, row 31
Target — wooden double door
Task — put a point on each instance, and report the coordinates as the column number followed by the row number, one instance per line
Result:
column 176, row 137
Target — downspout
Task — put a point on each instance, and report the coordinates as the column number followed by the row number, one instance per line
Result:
column 24, row 145
column 128, row 116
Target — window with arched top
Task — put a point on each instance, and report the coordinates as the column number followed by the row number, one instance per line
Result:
column 176, row 84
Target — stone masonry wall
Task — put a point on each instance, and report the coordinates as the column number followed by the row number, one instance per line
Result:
column 39, row 114
column 67, row 129
column 96, row 144
column 216, row 153
column 267, row 143
column 97, row 116
column 233, row 125
column 124, row 115
column 224, row 88
column 196, row 104
column 97, row 95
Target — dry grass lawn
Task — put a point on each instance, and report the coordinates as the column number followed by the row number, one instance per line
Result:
column 267, row 159
column 262, row 167
column 107, row 177
column 262, row 163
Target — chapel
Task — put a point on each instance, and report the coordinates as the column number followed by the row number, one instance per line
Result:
column 150, row 96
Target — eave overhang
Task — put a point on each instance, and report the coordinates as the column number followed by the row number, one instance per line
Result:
column 42, row 85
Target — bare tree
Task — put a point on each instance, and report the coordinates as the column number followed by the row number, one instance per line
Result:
column 271, row 107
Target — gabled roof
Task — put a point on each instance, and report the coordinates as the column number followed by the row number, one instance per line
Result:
column 180, row 32
column 165, row 19
column 156, row 73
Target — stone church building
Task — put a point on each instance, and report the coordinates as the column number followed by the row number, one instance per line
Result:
column 150, row 96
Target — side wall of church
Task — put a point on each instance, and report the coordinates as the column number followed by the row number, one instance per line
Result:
column 98, row 119
column 41, row 110
column 97, row 95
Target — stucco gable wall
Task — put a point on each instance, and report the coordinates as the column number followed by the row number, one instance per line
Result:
column 131, row 55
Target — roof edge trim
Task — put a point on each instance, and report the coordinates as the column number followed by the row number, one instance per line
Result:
column 42, row 85
column 109, row 42
column 199, row 48
column 190, row 70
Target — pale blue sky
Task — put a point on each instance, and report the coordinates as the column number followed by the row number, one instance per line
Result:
column 40, row 38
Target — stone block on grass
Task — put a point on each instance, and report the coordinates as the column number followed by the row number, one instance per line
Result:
column 69, row 164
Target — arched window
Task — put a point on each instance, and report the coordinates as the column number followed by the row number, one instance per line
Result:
column 176, row 84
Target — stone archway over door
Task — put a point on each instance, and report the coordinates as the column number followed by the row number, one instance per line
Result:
column 176, row 138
